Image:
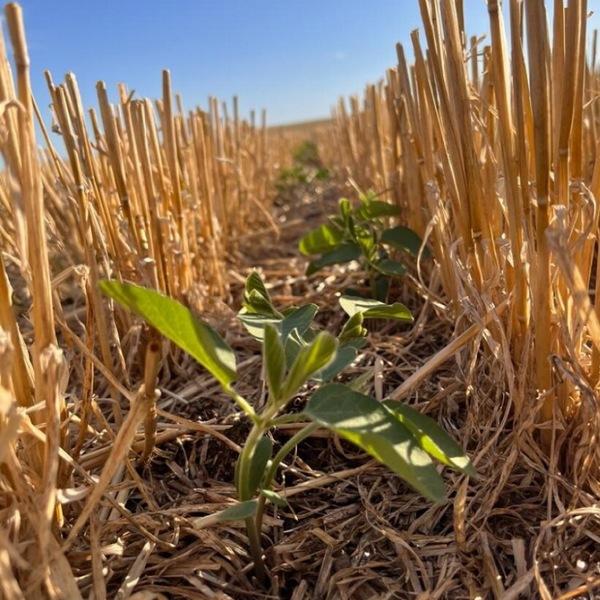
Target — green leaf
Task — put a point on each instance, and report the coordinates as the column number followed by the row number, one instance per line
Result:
column 294, row 343
column 299, row 319
column 337, row 221
column 366, row 240
column 373, row 309
column 310, row 359
column 258, row 464
column 405, row 239
column 255, row 324
column 345, row 208
column 356, row 343
column 390, row 267
column 354, row 305
column 342, row 254
column 372, row 427
column 238, row 512
column 362, row 383
column 324, row 238
column 344, row 357
column 274, row 360
column 432, row 438
column 256, row 303
column 368, row 196
column 375, row 209
column 274, row 498
column 257, row 298
column 254, row 282
column 179, row 324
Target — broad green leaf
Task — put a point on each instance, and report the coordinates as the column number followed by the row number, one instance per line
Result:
column 344, row 357
column 390, row 267
column 354, row 305
column 373, row 309
column 405, row 239
column 432, row 438
column 274, row 360
column 238, row 512
column 375, row 209
column 274, row 498
column 342, row 254
column 179, row 324
column 372, row 427
column 299, row 319
column 310, row 359
column 324, row 238
column 255, row 323
column 396, row 311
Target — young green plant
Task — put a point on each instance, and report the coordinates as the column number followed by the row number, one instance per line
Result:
column 360, row 233
column 297, row 355
column 306, row 169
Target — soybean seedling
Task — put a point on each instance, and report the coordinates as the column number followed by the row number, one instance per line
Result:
column 360, row 234
column 306, row 168
column 297, row 356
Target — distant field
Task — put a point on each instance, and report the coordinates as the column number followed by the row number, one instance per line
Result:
column 301, row 126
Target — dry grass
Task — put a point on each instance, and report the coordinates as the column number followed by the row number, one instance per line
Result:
column 495, row 163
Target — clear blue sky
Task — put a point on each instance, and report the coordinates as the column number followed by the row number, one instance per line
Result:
column 292, row 57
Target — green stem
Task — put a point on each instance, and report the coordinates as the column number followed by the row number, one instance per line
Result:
column 244, row 405
column 300, row 435
column 278, row 458
column 244, row 471
column 261, row 424
column 256, row 548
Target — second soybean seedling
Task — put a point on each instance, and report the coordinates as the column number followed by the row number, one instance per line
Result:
column 360, row 233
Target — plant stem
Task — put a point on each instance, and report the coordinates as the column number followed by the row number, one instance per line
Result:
column 244, row 405
column 372, row 284
column 281, row 454
column 287, row 448
column 256, row 547
column 258, row 429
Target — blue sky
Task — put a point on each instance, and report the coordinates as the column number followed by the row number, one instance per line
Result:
column 292, row 57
